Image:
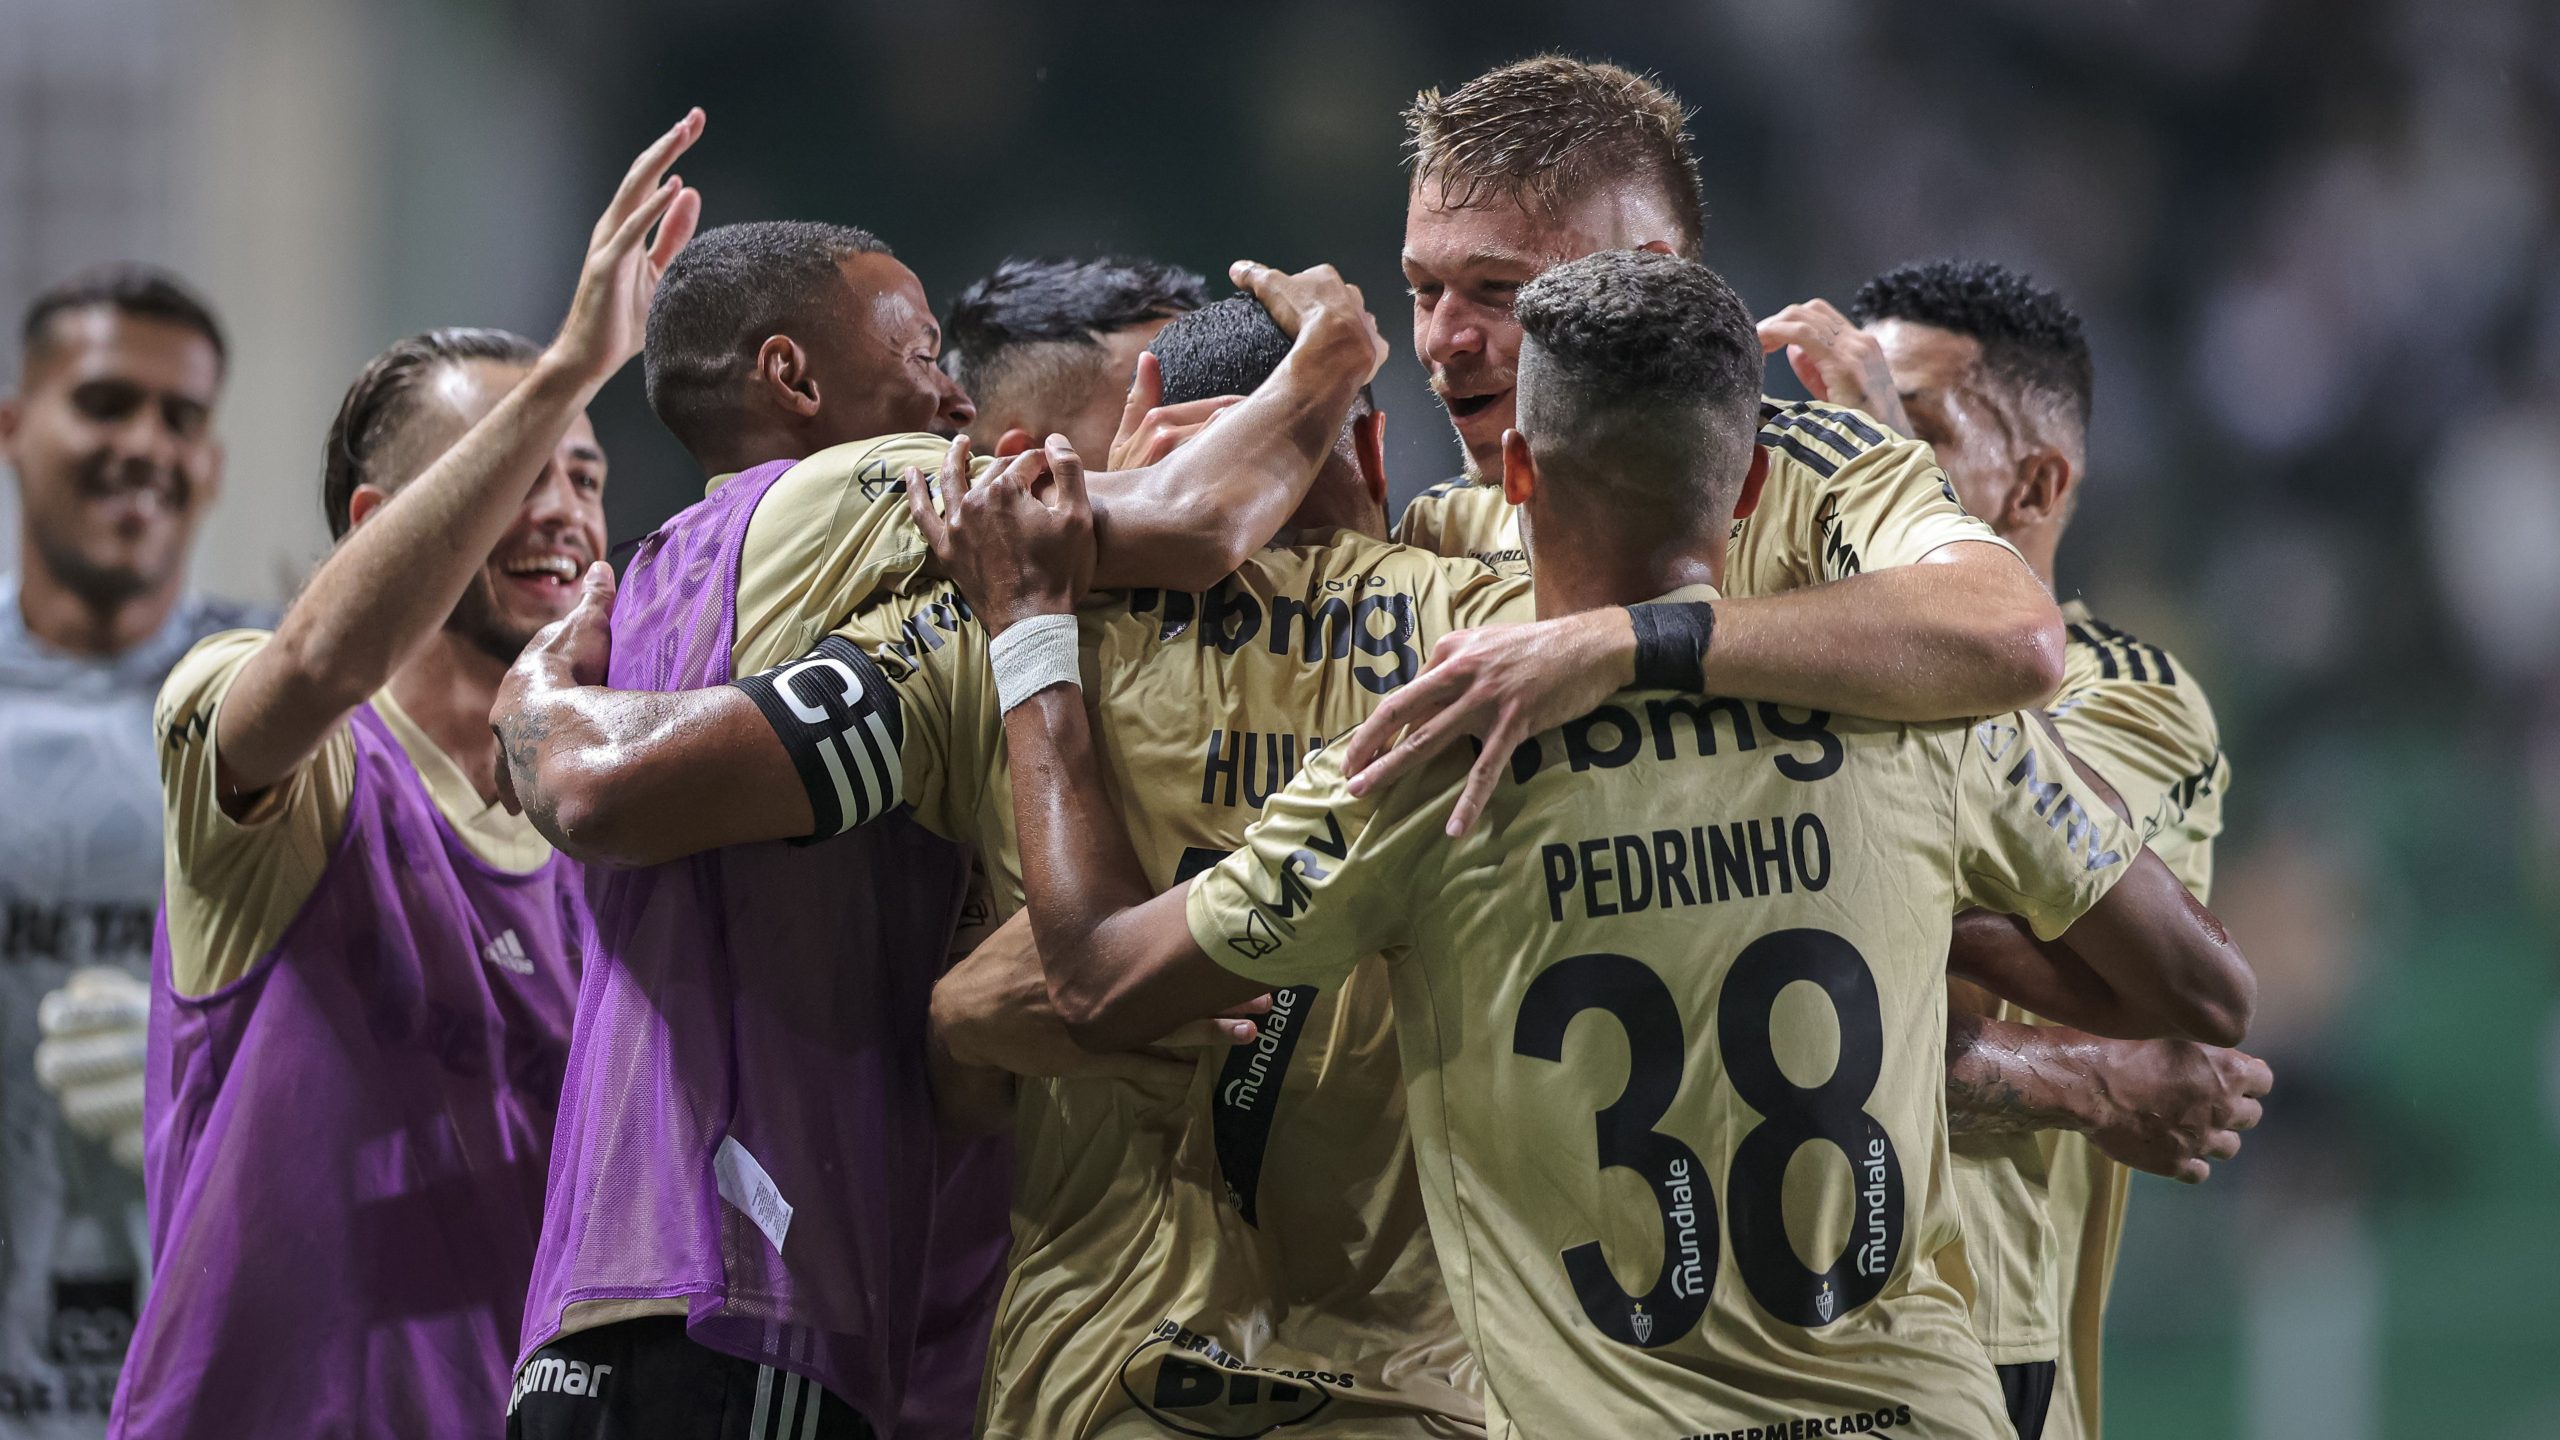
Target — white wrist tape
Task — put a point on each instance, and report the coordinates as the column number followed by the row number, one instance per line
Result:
column 1032, row 655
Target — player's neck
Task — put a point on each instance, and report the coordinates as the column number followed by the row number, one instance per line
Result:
column 447, row 691
column 1578, row 565
column 99, row 627
column 2037, row 546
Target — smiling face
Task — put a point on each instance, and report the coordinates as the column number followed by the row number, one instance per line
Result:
column 531, row 578
column 876, row 358
column 1464, row 264
column 1956, row 410
column 112, row 440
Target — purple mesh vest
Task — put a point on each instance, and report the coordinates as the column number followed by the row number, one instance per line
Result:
column 746, row 1122
column 346, row 1147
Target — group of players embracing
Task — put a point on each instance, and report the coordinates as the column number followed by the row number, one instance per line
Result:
column 1001, row 935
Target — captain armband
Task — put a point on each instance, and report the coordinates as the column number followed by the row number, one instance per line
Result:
column 840, row 720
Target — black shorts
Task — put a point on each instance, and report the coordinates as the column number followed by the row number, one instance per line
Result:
column 2029, row 1390
column 646, row 1379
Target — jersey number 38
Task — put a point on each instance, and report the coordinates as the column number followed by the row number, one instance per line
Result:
column 1792, row 1116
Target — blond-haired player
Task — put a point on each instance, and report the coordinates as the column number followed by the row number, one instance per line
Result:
column 1747, row 900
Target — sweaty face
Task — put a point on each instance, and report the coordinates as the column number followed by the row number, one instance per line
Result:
column 531, row 578
column 113, row 443
column 1939, row 375
column 874, row 358
column 1465, row 265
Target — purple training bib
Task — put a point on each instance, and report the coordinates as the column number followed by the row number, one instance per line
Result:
column 746, row 1123
column 346, row 1147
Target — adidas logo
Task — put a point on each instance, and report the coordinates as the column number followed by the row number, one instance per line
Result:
column 507, row 953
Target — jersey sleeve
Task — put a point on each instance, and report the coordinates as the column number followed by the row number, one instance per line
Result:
column 2032, row 839
column 233, row 885
column 832, row 534
column 1844, row 496
column 1480, row 595
column 1422, row 523
column 2154, row 739
column 1323, row 878
column 931, row 653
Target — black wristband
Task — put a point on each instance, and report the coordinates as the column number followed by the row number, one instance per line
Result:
column 1671, row 644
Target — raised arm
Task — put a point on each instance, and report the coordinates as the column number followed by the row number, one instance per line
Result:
column 1122, row 967
column 1188, row 520
column 2166, row 1106
column 391, row 584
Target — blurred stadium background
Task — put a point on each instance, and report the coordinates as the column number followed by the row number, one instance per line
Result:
column 2318, row 245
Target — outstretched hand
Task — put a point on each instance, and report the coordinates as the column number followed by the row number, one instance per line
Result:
column 1020, row 542
column 610, row 310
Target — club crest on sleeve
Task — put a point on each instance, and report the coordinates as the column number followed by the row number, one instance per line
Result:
column 1257, row 939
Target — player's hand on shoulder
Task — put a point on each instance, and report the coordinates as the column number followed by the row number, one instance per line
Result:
column 2179, row 1106
column 1836, row 361
column 1150, row 429
column 1020, row 542
column 1317, row 305
column 625, row 259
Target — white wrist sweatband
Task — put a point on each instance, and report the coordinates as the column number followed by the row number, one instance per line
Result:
column 1032, row 655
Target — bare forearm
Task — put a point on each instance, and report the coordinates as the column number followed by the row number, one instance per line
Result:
column 1187, row 521
column 2005, row 1078
column 1934, row 641
column 1079, row 870
column 633, row 777
column 2003, row 957
column 391, row 584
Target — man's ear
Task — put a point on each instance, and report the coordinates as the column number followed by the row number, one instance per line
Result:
column 213, row 472
column 2044, row 486
column 364, row 500
column 1369, row 448
column 1747, row 499
column 1519, row 471
column 782, row 372
column 13, row 413
column 1014, row 441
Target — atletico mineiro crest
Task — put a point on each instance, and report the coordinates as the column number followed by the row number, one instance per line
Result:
column 1826, row 1302
column 1642, row 1324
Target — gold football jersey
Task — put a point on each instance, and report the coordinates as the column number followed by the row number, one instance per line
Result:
column 1673, row 1022
column 1248, row 1251
column 1841, row 496
column 2138, row 717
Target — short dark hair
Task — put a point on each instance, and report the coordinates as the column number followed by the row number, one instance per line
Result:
column 383, row 397
column 1227, row 348
column 2030, row 336
column 721, row 295
column 1547, row 129
column 1047, row 305
column 1641, row 371
column 133, row 290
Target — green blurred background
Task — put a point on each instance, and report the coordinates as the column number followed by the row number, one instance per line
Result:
column 2318, row 246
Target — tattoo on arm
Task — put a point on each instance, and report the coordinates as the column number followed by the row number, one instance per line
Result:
column 522, row 734
column 1986, row 1084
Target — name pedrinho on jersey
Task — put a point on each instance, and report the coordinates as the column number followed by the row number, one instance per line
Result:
column 1673, row 1024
